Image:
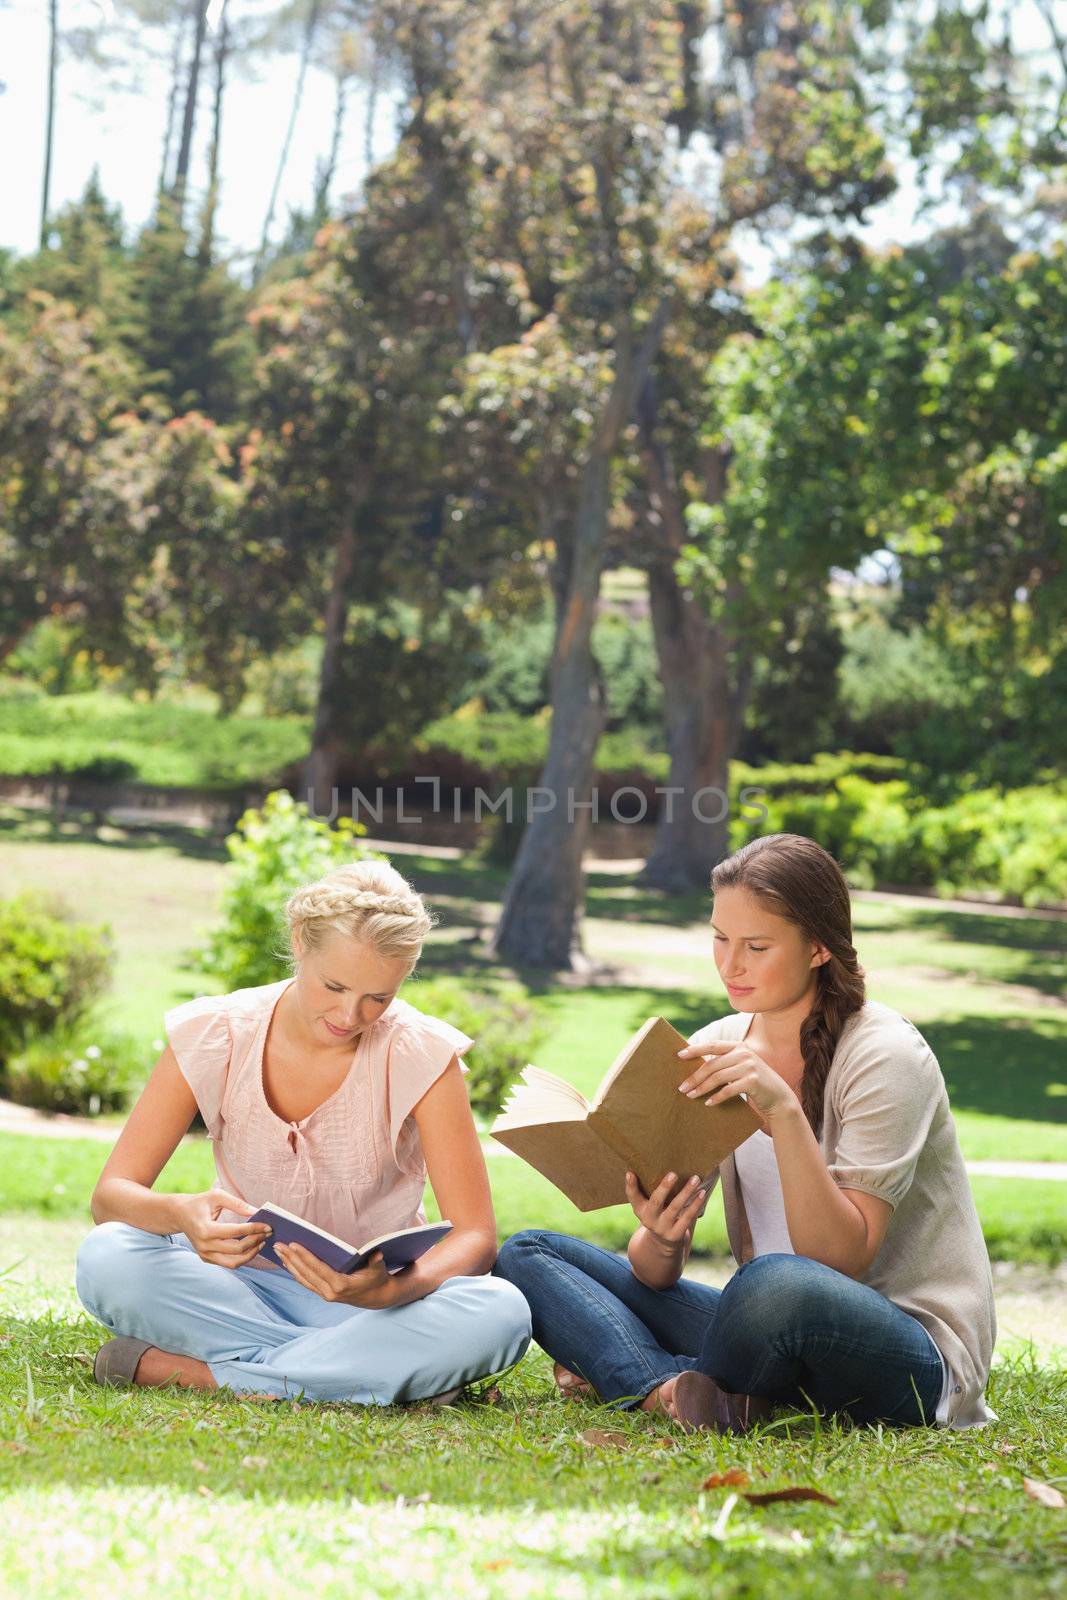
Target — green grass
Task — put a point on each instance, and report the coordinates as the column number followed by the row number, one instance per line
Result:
column 126, row 1493
column 122, row 1493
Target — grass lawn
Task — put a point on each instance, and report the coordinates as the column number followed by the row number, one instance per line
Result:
column 514, row 1493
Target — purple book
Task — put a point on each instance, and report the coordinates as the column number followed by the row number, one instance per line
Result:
column 398, row 1248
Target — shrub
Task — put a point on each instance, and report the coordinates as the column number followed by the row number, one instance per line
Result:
column 51, row 968
column 78, row 1069
column 503, row 1022
column 272, row 852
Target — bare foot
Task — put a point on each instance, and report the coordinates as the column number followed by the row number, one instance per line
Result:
column 158, row 1368
column 666, row 1397
column 569, row 1383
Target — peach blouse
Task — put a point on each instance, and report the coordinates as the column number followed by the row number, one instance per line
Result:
column 354, row 1165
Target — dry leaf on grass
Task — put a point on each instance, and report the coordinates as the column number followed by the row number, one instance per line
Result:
column 254, row 1463
column 796, row 1492
column 1044, row 1494
column 1005, row 1449
column 491, row 1397
column 601, row 1439
column 721, row 1480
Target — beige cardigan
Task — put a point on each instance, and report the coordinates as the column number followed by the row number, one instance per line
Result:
column 887, row 1130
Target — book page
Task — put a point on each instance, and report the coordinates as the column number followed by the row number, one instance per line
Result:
column 540, row 1096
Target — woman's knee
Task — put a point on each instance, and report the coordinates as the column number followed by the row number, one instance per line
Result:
column 106, row 1260
column 524, row 1251
column 497, row 1320
column 775, row 1291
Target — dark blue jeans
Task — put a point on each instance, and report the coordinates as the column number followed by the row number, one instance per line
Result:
column 785, row 1327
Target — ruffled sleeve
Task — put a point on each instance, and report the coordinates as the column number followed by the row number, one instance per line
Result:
column 419, row 1051
column 200, row 1036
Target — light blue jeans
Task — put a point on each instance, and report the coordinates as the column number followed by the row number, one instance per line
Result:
column 263, row 1332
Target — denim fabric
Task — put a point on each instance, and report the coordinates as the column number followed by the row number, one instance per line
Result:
column 263, row 1332
column 784, row 1327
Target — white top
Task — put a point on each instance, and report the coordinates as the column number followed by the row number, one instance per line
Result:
column 761, row 1188
column 757, row 1168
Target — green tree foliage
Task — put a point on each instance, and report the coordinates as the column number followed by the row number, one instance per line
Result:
column 895, row 403
column 188, row 322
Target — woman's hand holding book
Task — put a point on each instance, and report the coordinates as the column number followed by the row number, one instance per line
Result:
column 372, row 1287
column 670, row 1211
column 735, row 1069
column 224, row 1244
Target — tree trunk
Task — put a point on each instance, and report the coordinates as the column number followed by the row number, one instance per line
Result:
column 211, row 203
column 180, row 29
column 320, row 208
column 706, row 681
column 185, row 149
column 310, row 26
column 320, row 770
column 538, row 924
column 50, row 122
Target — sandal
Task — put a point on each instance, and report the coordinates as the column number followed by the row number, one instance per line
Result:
column 700, row 1403
column 116, row 1361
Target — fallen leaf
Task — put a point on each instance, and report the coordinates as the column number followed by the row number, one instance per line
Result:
column 254, row 1463
column 720, row 1480
column 492, row 1396
column 14, row 1446
column 1005, row 1449
column 967, row 1509
column 495, row 1566
column 203, row 1489
column 894, row 1580
column 796, row 1492
column 601, row 1439
column 1044, row 1494
column 198, row 1466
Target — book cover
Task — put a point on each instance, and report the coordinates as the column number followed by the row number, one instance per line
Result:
column 637, row 1122
column 398, row 1249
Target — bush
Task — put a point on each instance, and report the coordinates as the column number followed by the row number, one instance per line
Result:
column 166, row 743
column 51, row 968
column 77, row 1069
column 272, row 852
column 503, row 1022
column 1010, row 844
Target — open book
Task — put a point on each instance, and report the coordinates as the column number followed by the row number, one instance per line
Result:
column 398, row 1248
column 637, row 1122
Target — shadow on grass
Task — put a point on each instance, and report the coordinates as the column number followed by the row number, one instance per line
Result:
column 82, row 828
column 1006, row 1066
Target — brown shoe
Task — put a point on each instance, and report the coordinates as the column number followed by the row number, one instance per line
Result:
column 116, row 1361
column 700, row 1403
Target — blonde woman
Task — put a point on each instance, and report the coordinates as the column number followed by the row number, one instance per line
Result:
column 329, row 1095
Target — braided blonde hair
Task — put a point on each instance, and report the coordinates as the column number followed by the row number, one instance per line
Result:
column 365, row 900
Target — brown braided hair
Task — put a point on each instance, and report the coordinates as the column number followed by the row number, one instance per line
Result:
column 797, row 879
